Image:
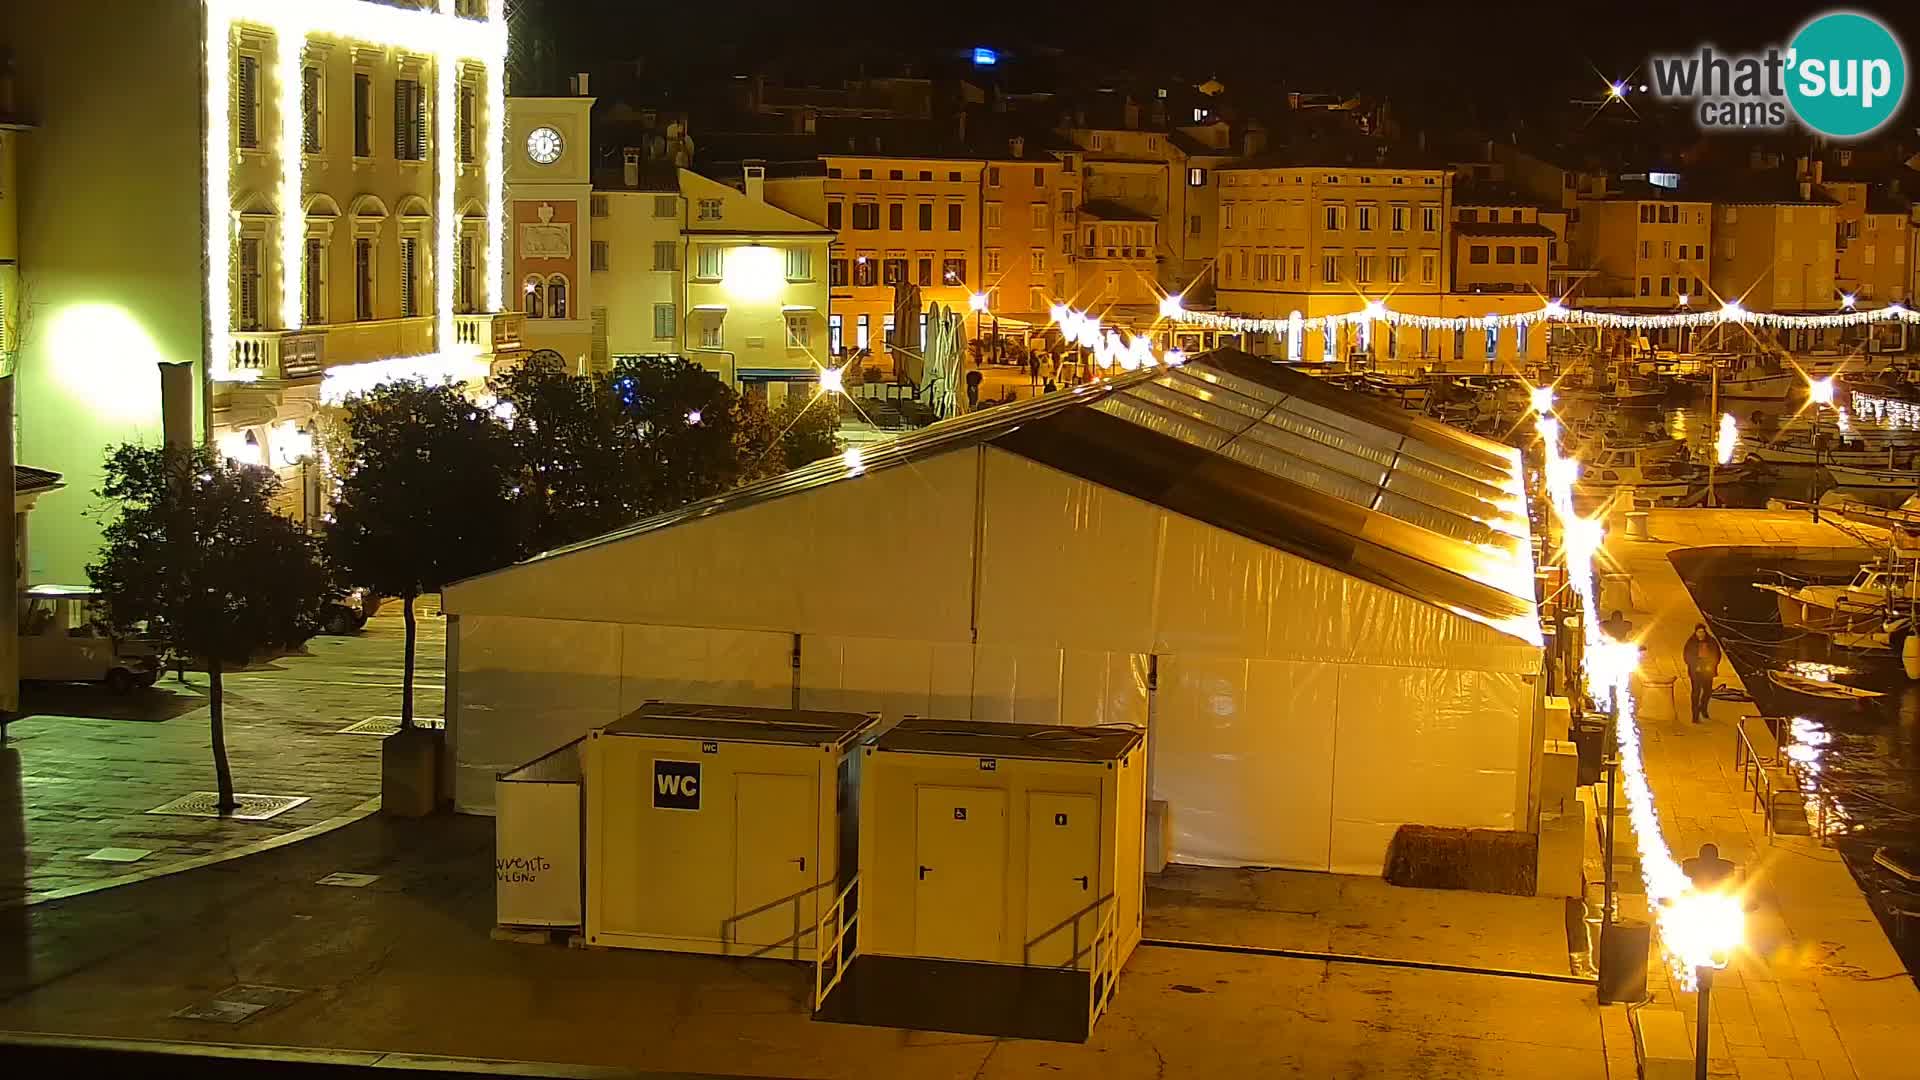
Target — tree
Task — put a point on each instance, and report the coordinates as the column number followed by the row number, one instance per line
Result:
column 604, row 450
column 429, row 496
column 804, row 429
column 197, row 561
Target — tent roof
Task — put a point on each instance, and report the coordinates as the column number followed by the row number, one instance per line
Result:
column 1248, row 446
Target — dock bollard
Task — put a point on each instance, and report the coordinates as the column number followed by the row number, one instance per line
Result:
column 1637, row 525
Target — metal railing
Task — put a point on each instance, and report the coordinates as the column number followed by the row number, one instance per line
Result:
column 1101, row 973
column 831, row 954
column 1762, row 774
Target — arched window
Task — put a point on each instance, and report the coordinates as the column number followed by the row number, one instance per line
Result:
column 557, row 296
column 536, row 298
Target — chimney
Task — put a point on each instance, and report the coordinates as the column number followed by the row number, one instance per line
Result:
column 1819, row 172
column 630, row 166
column 578, row 84
column 1017, row 146
column 756, row 181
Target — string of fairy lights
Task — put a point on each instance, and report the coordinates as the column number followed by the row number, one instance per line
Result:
column 1699, row 928
column 1295, row 323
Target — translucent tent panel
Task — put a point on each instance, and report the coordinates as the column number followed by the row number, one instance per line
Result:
column 1222, row 419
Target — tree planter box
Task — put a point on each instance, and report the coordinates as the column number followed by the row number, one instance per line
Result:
column 410, row 772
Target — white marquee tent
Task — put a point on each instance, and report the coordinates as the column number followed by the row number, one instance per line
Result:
column 1320, row 607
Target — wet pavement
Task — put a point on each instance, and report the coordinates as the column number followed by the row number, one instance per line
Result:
column 82, row 767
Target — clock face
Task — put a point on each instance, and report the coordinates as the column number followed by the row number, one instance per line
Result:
column 544, row 145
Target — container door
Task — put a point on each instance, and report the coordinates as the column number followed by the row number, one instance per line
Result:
column 775, row 857
column 1063, row 878
column 959, row 902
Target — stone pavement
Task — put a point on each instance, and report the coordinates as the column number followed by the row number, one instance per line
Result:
column 1820, row 994
column 82, row 767
column 406, row 965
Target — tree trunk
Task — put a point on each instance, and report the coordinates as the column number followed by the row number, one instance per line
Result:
column 223, row 775
column 406, row 679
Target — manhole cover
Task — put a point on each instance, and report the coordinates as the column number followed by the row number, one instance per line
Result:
column 239, row 1003
column 349, row 881
column 388, row 725
column 119, row 854
column 251, row 808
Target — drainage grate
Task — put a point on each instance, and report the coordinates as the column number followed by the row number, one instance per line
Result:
column 119, row 854
column 349, row 881
column 239, row 1003
column 388, row 725
column 251, row 808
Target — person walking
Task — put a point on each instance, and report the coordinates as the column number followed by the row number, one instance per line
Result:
column 1702, row 655
column 974, row 379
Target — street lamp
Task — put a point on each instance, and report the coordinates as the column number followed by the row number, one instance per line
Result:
column 1819, row 395
column 1702, row 928
column 977, row 303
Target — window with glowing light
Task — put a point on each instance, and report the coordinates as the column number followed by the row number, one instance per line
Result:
column 865, row 270
column 834, row 327
column 534, row 292
column 893, row 270
column 953, row 270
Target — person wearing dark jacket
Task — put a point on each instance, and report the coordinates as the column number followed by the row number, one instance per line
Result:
column 1702, row 655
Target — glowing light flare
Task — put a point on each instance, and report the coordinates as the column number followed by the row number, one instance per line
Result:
column 1540, row 399
column 753, row 272
column 289, row 444
column 352, row 380
column 854, row 460
column 833, row 380
column 240, row 447
column 1728, row 439
column 1703, row 929
column 977, row 302
column 1170, row 307
column 446, row 212
column 1820, row 391
column 693, row 417
column 219, row 180
column 290, row 43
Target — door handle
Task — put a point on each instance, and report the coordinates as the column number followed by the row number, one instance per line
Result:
column 924, row 871
column 1082, row 879
column 802, row 860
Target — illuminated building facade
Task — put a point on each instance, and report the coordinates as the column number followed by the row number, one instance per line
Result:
column 298, row 200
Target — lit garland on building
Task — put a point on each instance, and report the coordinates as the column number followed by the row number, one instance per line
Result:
column 447, row 39
column 1698, row 929
column 1107, row 348
column 1553, row 311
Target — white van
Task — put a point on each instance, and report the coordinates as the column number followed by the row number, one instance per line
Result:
column 60, row 643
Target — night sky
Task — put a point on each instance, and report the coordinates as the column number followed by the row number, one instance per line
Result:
column 1486, row 58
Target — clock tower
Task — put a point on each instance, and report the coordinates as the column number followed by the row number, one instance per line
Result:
column 550, row 222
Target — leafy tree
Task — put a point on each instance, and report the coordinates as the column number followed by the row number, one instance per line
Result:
column 582, row 450
column 604, row 450
column 802, row 430
column 429, row 496
column 197, row 561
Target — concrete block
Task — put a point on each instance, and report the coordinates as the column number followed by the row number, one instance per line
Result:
column 1661, row 1044
column 410, row 772
column 1559, row 776
column 1562, row 847
column 1559, row 719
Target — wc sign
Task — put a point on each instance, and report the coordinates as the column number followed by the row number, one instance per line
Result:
column 676, row 785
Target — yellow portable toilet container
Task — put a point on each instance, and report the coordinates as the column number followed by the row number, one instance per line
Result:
column 718, row 829
column 1000, row 864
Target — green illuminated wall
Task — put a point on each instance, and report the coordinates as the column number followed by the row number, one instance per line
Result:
column 110, row 238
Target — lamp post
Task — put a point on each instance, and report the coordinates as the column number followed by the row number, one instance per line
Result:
column 1703, row 927
column 1820, row 395
column 977, row 303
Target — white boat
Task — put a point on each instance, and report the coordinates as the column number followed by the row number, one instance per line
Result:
column 1663, row 482
column 1821, row 689
column 1861, row 606
column 1849, row 452
column 1855, row 476
column 1758, row 387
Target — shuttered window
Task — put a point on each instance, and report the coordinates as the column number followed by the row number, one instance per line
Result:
column 246, row 104
column 409, row 265
column 467, row 136
column 310, row 110
column 363, row 279
column 409, row 121
column 249, row 283
column 362, row 114
column 315, row 282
